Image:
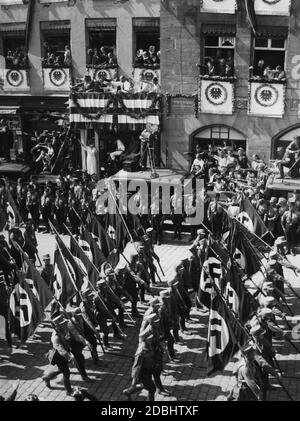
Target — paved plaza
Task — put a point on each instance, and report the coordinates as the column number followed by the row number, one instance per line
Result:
column 186, row 380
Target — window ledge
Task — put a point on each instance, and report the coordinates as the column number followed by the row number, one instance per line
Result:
column 137, row 66
column 264, row 80
column 218, row 78
column 102, row 66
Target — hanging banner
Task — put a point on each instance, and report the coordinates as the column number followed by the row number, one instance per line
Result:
column 218, row 6
column 15, row 80
column 56, row 79
column 216, row 97
column 267, row 99
column 272, row 7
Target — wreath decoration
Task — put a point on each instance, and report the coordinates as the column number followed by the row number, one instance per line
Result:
column 58, row 77
column 15, row 78
column 266, row 95
column 216, row 94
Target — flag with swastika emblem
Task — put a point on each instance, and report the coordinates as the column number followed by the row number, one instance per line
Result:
column 223, row 337
column 25, row 310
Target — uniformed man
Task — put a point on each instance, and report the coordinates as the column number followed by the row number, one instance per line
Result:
column 179, row 309
column 290, row 223
column 166, row 320
column 60, row 354
column 247, row 386
column 77, row 343
column 15, row 235
column 176, row 203
column 142, row 368
column 33, row 205
column 47, row 270
column 30, row 241
column 156, row 222
column 215, row 215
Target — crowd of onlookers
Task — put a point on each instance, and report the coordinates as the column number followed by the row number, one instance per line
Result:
column 263, row 71
column 218, row 66
column 102, row 57
column 16, row 59
column 232, row 173
column 122, row 84
column 147, row 59
column 54, row 58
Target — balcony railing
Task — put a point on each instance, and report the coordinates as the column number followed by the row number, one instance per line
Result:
column 56, row 79
column 267, row 99
column 271, row 7
column 216, row 95
column 14, row 80
column 224, row 6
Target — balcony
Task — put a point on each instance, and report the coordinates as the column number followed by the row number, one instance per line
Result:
column 14, row 80
column 216, row 95
column 271, row 7
column 213, row 6
column 102, row 72
column 148, row 74
column 56, row 79
column 266, row 99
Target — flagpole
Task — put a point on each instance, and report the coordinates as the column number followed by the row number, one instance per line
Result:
column 79, row 292
column 251, row 337
column 121, row 216
column 98, row 273
column 287, row 264
column 91, row 285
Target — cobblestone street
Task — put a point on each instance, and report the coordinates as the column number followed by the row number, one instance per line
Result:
column 186, row 380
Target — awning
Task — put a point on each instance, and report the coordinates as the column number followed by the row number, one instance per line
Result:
column 55, row 25
column 146, row 22
column 272, row 32
column 211, row 29
column 108, row 24
column 13, row 27
column 8, row 110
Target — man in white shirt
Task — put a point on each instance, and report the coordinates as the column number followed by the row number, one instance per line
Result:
column 142, row 85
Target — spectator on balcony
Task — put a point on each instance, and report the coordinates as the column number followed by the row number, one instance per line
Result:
column 230, row 60
column 90, row 54
column 139, row 61
column 210, row 68
column 9, row 59
column 229, row 72
column 268, row 73
column 112, row 60
column 146, row 60
column 67, row 57
column 95, row 58
column 59, row 61
column 155, row 87
column 259, row 69
column 142, row 85
column 222, row 67
column 122, row 85
column 158, row 56
column 103, row 59
column 279, row 73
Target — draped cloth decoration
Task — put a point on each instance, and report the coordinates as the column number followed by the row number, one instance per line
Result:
column 125, row 111
column 249, row 4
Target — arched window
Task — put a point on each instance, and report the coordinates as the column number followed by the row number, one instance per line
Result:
column 281, row 141
column 217, row 135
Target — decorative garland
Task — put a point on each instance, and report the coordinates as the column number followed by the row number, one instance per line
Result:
column 169, row 97
column 156, row 101
column 117, row 99
column 80, row 109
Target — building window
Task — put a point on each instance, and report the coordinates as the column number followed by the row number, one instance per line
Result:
column 146, row 42
column 269, row 53
column 219, row 49
column 56, row 50
column 218, row 136
column 13, row 45
column 101, row 42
